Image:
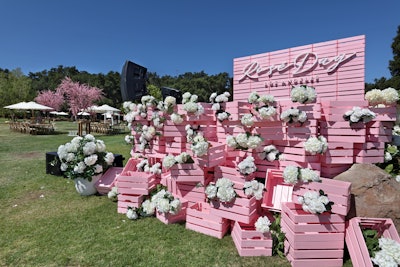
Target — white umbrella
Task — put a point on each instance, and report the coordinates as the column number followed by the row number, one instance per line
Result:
column 106, row 108
column 83, row 113
column 16, row 106
column 29, row 106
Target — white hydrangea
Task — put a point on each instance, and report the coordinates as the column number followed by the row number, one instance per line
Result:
column 303, row 94
column 262, row 224
column 222, row 189
column 253, row 188
column 291, row 174
column 176, row 118
column 247, row 120
column 148, row 207
column 267, row 113
column 253, row 98
column 168, row 161
column 131, row 214
column 308, row 175
column 247, row 166
column 314, row 202
column 316, row 145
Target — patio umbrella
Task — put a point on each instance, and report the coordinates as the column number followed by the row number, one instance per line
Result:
column 34, row 106
column 106, row 108
column 83, row 113
column 16, row 106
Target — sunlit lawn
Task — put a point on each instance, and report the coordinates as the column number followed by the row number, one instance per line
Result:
column 44, row 222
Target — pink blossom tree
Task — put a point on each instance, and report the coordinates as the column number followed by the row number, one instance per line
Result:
column 78, row 96
column 50, row 99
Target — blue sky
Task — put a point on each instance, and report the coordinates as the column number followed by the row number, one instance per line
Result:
column 174, row 37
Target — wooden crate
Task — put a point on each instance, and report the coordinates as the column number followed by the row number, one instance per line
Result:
column 215, row 156
column 337, row 191
column 199, row 219
column 313, row 110
column 355, row 241
column 276, row 191
column 168, row 218
column 294, row 151
column 187, row 172
column 107, row 180
column 250, row 242
column 338, row 153
column 136, row 183
column 240, row 209
column 388, row 114
column 369, row 152
column 342, row 131
column 271, row 130
column 125, row 201
column 302, row 131
column 379, row 131
column 333, row 110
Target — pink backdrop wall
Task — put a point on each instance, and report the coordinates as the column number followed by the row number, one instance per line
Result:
column 334, row 68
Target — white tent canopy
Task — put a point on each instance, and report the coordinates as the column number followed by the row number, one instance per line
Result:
column 106, row 108
column 28, row 106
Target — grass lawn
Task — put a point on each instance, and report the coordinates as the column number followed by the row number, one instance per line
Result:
column 44, row 222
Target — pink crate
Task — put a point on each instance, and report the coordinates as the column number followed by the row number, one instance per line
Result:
column 299, row 221
column 276, row 191
column 187, row 172
column 125, row 201
column 312, row 262
column 107, row 180
column 193, row 192
column 355, row 241
column 294, row 151
column 250, row 242
column 174, row 130
column 385, row 114
column 199, row 219
column 237, row 109
column 338, row 152
column 337, row 191
column 313, row 110
column 331, row 170
column 168, row 218
column 333, row 110
column 271, row 130
column 343, row 132
column 370, row 152
column 241, row 209
column 379, row 131
column 302, row 131
column 235, row 176
column 136, row 183
column 214, row 157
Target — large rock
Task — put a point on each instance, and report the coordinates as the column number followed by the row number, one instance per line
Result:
column 375, row 193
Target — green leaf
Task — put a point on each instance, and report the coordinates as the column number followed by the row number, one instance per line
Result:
column 389, row 168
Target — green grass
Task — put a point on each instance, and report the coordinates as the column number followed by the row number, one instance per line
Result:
column 44, row 222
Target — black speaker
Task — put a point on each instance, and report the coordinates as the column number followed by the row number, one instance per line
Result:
column 168, row 91
column 133, row 81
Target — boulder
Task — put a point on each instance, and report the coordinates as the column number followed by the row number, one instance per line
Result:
column 375, row 193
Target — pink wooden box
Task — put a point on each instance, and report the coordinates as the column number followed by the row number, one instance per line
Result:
column 125, row 201
column 276, row 191
column 241, row 209
column 168, row 218
column 136, row 183
column 337, row 191
column 313, row 110
column 250, row 242
column 199, row 219
column 294, row 151
column 187, row 172
column 237, row 109
column 355, row 241
column 342, row 131
column 264, row 165
column 174, row 130
column 329, row 170
column 299, row 221
column 302, row 131
column 193, row 192
column 379, row 131
column 107, row 180
column 338, row 152
column 235, row 176
column 369, row 152
column 313, row 258
column 271, row 130
column 333, row 110
column 214, row 157
column 385, row 113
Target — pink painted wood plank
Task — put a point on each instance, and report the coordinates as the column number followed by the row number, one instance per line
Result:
column 297, row 254
column 298, row 215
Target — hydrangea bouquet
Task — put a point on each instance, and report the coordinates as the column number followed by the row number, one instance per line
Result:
column 253, row 188
column 294, row 174
column 316, row 145
column 387, row 97
column 171, row 160
column 293, row 115
column 247, row 166
column 190, row 104
column 262, row 224
column 315, row 202
column 389, row 253
column 358, row 114
column 222, row 190
column 84, row 157
column 269, row 153
column 303, row 94
column 243, row 141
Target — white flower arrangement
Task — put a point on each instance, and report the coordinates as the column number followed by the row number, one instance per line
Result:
column 243, row 141
column 171, row 160
column 222, row 98
column 169, row 104
column 113, row 193
column 389, row 253
column 293, row 115
column 176, row 118
column 358, row 114
column 388, row 96
column 148, row 101
column 316, row 145
column 396, row 130
column 253, row 98
column 253, row 188
column 221, row 116
column 266, row 113
column 315, row 202
column 133, row 111
column 191, row 132
column 262, row 224
column 84, row 157
column 129, row 139
column 269, row 153
column 199, row 146
column 148, row 207
column 165, row 202
column 190, row 104
column 147, row 134
column 247, row 166
column 247, row 120
column 222, row 190
column 132, row 214
column 157, row 119
column 303, row 94
column 294, row 174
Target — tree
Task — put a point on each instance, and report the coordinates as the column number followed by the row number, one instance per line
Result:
column 50, row 99
column 78, row 96
column 154, row 91
column 394, row 65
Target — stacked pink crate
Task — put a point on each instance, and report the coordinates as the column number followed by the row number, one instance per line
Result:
column 168, row 218
column 276, row 192
column 107, row 180
column 250, row 242
column 240, row 209
column 355, row 240
column 199, row 219
column 133, row 185
column 175, row 138
column 312, row 239
column 235, row 176
column 369, row 152
column 294, row 151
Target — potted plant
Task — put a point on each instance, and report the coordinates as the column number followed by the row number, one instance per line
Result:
column 84, row 159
